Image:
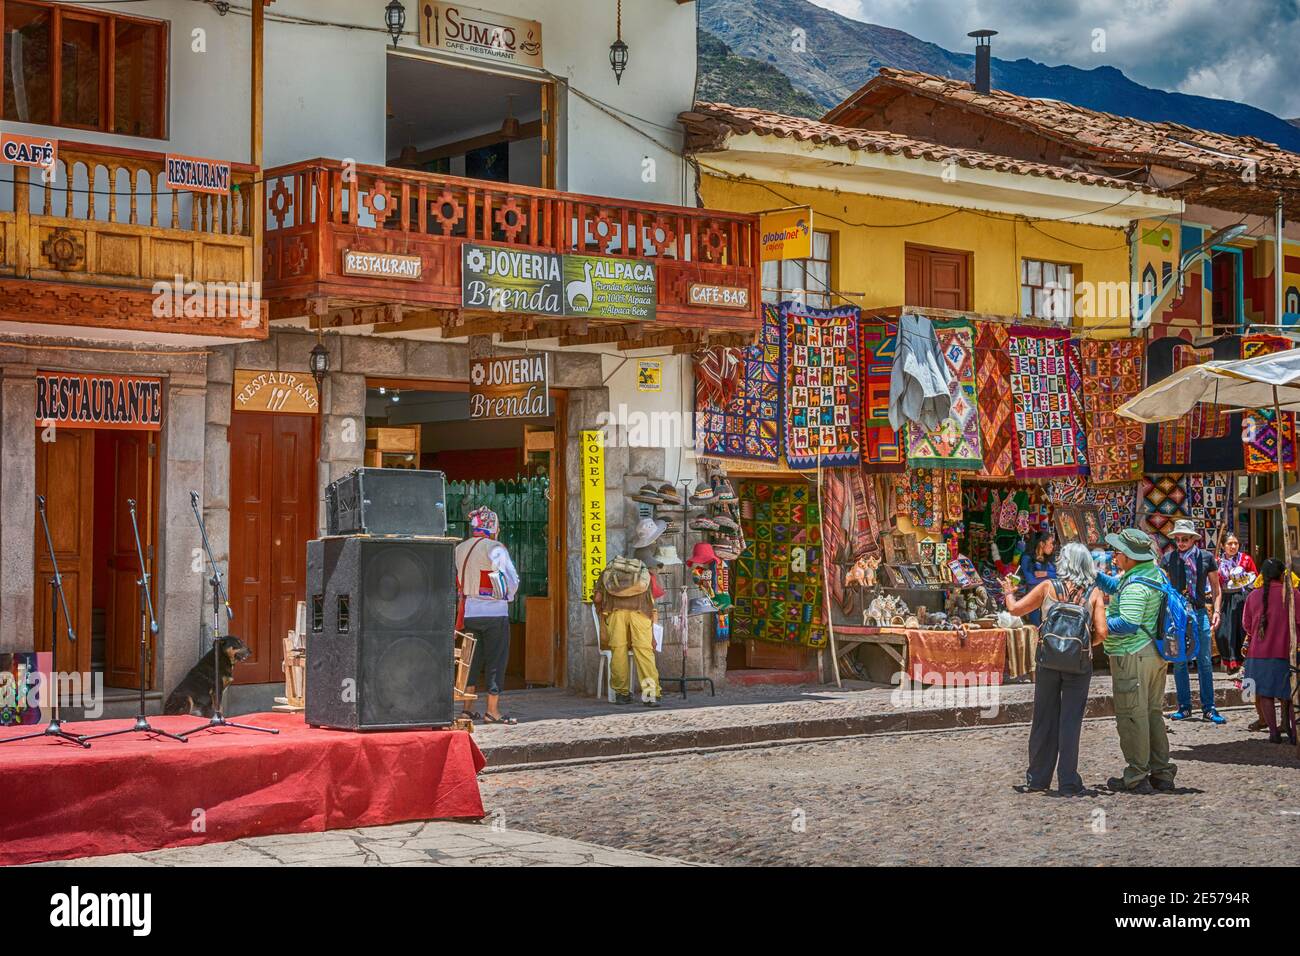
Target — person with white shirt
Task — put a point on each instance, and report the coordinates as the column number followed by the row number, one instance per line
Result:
column 487, row 581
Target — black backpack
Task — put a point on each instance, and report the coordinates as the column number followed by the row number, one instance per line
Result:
column 1065, row 636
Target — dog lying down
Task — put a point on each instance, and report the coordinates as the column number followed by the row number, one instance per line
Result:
column 193, row 695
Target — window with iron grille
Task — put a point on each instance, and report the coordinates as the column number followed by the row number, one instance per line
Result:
column 803, row 280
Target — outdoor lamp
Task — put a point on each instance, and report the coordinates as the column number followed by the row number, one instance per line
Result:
column 618, row 49
column 318, row 362
column 395, row 20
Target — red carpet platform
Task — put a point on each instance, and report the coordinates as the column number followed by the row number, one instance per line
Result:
column 132, row 793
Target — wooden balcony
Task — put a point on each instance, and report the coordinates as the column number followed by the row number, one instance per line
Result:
column 88, row 249
column 319, row 209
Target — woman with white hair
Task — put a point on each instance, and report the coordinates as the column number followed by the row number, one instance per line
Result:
column 1073, row 620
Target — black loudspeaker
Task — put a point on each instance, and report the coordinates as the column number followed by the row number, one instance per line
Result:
column 387, row 501
column 381, row 616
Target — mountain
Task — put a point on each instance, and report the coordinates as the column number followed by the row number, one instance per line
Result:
column 841, row 54
column 728, row 78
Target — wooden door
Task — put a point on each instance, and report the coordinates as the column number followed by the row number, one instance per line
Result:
column 65, row 475
column 133, row 455
column 937, row 278
column 273, row 513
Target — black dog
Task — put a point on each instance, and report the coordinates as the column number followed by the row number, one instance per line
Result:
column 193, row 695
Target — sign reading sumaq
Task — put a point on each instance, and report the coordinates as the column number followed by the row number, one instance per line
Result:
column 91, row 400
column 481, row 34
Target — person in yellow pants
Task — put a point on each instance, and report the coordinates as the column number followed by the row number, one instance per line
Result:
column 625, row 599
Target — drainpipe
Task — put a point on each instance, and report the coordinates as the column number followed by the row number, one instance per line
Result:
column 1278, row 260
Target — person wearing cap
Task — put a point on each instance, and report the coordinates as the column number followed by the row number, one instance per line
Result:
column 487, row 581
column 1137, row 670
column 624, row 598
column 1195, row 573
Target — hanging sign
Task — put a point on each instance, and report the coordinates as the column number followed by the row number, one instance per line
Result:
column 593, row 510
column 514, row 386
column 503, row 279
column 38, row 151
column 98, row 401
column 197, row 175
column 382, row 265
column 480, row 34
column 719, row 296
column 786, row 234
column 599, row 287
column 258, row 391
column 649, row 375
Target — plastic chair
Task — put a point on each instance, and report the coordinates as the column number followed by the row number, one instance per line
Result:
column 606, row 663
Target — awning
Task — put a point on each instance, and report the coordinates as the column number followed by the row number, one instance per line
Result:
column 1239, row 383
column 1268, row 500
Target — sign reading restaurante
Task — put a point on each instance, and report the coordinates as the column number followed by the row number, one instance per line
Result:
column 514, row 386
column 256, row 391
column 481, row 34
column 98, row 401
column 197, row 175
column 505, row 279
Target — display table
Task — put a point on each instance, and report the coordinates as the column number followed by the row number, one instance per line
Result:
column 991, row 655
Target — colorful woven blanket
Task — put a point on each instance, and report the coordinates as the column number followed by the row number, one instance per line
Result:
column 956, row 442
column 742, row 420
column 1259, row 432
column 1046, row 445
column 881, row 449
column 993, row 388
column 1205, row 498
column 1205, row 439
column 823, row 407
column 1112, row 374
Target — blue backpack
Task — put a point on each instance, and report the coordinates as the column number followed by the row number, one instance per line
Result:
column 1177, row 639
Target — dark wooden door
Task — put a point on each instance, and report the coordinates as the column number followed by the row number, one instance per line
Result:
column 133, row 480
column 65, row 475
column 937, row 278
column 273, row 513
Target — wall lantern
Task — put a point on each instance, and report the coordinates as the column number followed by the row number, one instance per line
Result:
column 618, row 49
column 318, row 363
column 395, row 20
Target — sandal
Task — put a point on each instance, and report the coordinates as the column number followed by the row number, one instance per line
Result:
column 510, row 721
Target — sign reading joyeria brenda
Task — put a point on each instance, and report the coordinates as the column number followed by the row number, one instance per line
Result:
column 514, row 386
column 502, row 279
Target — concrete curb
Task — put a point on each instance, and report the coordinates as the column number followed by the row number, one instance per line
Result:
column 510, row 756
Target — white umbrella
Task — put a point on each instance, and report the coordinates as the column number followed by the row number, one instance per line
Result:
column 1269, row 381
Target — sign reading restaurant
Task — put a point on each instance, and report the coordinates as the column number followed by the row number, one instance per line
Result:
column 514, row 386
column 505, row 279
column 482, row 34
column 256, row 391
column 382, row 265
column 191, row 174
column 98, row 401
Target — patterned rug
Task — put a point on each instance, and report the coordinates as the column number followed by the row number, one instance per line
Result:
column 1259, row 432
column 930, row 497
column 1205, row 439
column 743, row 421
column 778, row 580
column 1044, row 416
column 822, row 405
column 1074, row 378
column 993, row 387
column 881, row 449
column 956, row 442
column 1205, row 498
column 1112, row 374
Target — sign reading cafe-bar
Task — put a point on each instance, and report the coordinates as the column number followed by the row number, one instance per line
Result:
column 98, row 401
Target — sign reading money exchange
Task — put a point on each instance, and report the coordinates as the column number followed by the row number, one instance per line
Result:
column 503, row 279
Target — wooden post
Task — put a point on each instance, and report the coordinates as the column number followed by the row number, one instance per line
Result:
column 1287, row 594
column 258, row 204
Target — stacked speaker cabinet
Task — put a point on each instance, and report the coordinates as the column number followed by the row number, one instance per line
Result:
column 380, row 632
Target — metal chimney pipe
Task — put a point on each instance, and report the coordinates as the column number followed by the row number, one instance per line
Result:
column 983, row 59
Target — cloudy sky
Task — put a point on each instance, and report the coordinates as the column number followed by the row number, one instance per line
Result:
column 1247, row 50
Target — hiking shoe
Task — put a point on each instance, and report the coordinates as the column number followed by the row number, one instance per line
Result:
column 652, row 702
column 1180, row 715
column 622, row 698
column 1161, row 785
column 1256, row 725
column 1117, row 785
column 1214, row 717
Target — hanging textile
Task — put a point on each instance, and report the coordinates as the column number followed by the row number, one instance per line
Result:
column 1205, row 498
column 743, row 419
column 930, row 497
column 955, row 443
column 993, row 392
column 881, row 449
column 822, row 402
column 1117, row 503
column 918, row 384
column 1112, row 374
column 850, row 526
column 1205, row 439
column 1259, row 432
column 778, row 579
column 1074, row 378
column 1044, row 415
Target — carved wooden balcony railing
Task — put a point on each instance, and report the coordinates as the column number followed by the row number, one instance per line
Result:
column 317, row 210
column 88, row 243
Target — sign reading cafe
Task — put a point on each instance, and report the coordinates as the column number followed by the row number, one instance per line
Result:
column 515, row 386
column 481, row 34
column 98, row 401
column 505, row 279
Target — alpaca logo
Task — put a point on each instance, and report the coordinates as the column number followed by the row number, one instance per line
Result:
column 580, row 289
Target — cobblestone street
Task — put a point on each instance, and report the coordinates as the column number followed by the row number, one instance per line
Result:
column 922, row 799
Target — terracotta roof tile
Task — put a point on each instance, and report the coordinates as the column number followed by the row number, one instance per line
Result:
column 709, row 125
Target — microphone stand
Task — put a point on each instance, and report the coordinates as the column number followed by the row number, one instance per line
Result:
column 146, row 615
column 55, row 726
column 219, row 600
